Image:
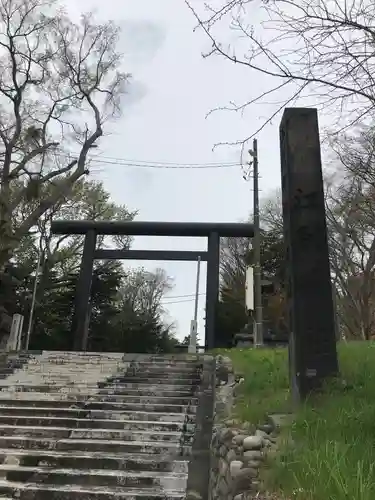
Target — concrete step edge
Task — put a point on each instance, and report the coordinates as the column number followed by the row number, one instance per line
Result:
column 71, row 410
column 98, row 397
column 92, row 472
column 183, row 388
column 100, row 386
column 88, row 405
column 114, row 491
column 86, row 454
column 163, row 423
column 152, row 444
column 93, row 430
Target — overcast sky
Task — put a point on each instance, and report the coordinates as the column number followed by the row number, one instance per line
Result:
column 164, row 120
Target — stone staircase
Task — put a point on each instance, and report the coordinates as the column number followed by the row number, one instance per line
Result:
column 96, row 426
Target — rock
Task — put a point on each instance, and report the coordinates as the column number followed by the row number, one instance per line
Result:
column 222, row 374
column 232, row 422
column 231, row 456
column 235, row 467
column 214, row 478
column 253, row 464
column 223, row 488
column 268, row 428
column 223, row 467
column 193, row 495
column 246, row 472
column 225, row 434
column 253, row 443
column 228, row 478
column 265, row 436
column 243, row 480
column 253, row 455
column 256, row 485
column 239, row 439
column 228, row 363
column 223, row 450
column 260, row 433
column 281, row 420
column 214, row 441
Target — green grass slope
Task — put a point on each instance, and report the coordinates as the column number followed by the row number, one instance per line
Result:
column 333, row 452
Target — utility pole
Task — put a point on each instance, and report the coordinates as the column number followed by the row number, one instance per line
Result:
column 194, row 322
column 33, row 300
column 258, row 330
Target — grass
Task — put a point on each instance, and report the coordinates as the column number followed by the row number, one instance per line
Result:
column 333, row 456
column 266, row 383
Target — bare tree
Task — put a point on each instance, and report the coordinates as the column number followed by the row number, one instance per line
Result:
column 144, row 290
column 234, row 257
column 320, row 49
column 60, row 82
column 271, row 213
column 350, row 209
column 356, row 152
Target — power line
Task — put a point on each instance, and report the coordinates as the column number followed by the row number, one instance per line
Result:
column 215, row 163
column 107, row 160
column 178, row 301
column 159, row 167
column 182, row 296
column 193, row 295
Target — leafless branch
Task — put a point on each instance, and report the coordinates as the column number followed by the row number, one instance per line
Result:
column 59, row 82
column 326, row 48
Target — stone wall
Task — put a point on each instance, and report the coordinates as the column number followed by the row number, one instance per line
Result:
column 237, row 450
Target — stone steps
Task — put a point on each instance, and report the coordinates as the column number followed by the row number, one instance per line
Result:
column 39, row 443
column 96, row 460
column 163, row 369
column 68, row 380
column 95, row 477
column 97, row 397
column 73, row 427
column 86, row 423
column 90, row 433
column 137, row 367
column 165, row 390
column 81, row 356
column 82, row 412
column 98, row 405
column 32, row 491
column 153, row 380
